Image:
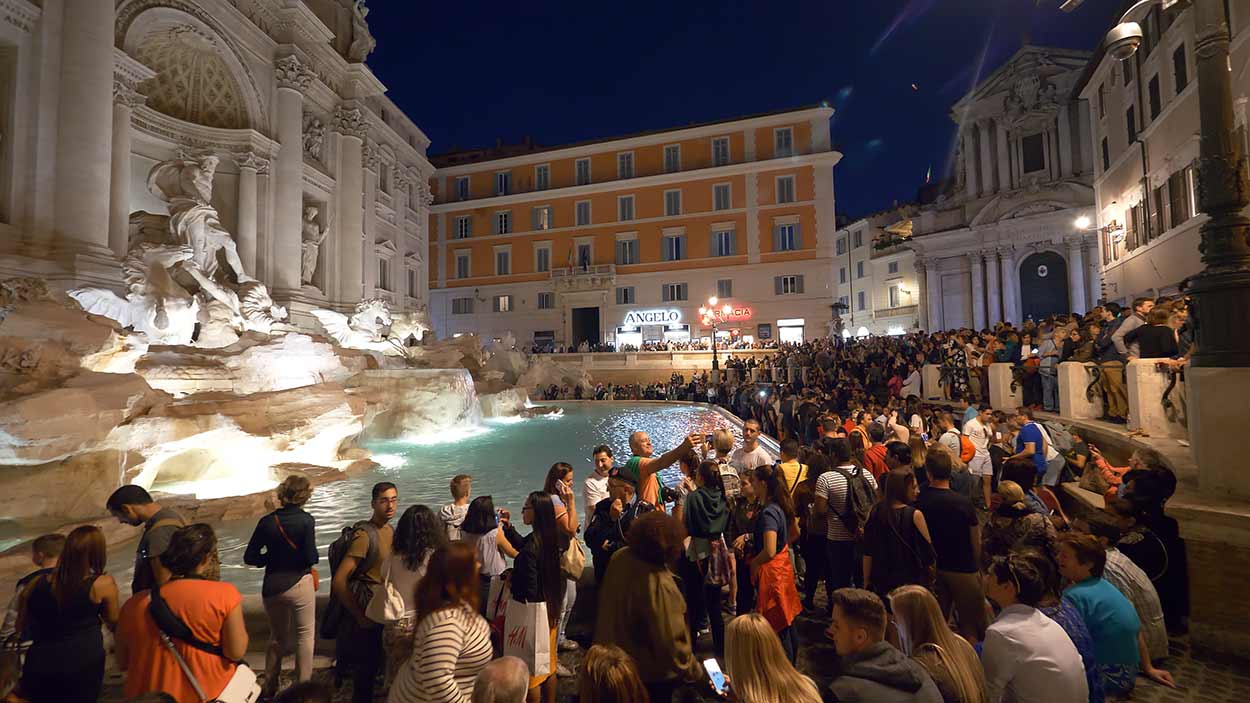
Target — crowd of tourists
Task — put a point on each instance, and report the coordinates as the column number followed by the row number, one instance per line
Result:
column 736, row 343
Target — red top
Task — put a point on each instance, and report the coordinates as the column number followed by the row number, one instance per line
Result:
column 203, row 606
column 874, row 457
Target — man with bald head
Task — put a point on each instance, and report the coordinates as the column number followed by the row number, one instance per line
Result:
column 502, row 681
column 642, row 467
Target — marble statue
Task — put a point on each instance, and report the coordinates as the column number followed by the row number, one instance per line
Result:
column 410, row 325
column 173, row 268
column 314, row 135
column 363, row 42
column 313, row 236
column 367, row 328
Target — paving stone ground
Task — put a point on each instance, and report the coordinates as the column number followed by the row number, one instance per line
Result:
column 1200, row 677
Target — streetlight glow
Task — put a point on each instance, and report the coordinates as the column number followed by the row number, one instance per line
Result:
column 1082, row 222
column 727, row 309
column 712, row 301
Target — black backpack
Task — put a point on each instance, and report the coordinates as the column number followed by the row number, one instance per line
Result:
column 860, row 498
column 333, row 619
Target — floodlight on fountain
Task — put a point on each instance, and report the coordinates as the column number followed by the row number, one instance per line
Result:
column 1082, row 222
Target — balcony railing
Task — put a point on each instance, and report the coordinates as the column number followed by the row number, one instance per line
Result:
column 573, row 271
column 899, row 311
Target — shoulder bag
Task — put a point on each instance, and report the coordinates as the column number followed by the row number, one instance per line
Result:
column 312, row 570
column 387, row 604
column 242, row 687
column 573, row 561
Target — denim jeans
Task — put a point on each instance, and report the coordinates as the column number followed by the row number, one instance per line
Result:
column 570, row 597
column 1050, row 388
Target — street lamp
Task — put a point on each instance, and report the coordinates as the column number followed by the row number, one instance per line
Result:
column 1221, row 291
column 713, row 317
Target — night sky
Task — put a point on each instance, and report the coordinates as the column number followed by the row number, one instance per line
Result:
column 564, row 71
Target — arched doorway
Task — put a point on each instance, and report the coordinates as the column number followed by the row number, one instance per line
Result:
column 1044, row 285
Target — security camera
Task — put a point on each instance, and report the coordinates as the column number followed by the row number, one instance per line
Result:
column 1123, row 40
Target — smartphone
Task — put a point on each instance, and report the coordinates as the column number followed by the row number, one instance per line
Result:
column 714, row 675
column 707, row 438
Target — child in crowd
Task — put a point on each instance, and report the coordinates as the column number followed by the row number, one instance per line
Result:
column 453, row 513
column 44, row 552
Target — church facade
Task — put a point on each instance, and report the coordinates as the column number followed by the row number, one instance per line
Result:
column 1003, row 243
column 320, row 179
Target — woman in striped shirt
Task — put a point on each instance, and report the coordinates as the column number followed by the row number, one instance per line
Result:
column 452, row 642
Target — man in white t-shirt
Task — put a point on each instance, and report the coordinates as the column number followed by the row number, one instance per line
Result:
column 595, row 488
column 978, row 431
column 831, row 502
column 750, row 454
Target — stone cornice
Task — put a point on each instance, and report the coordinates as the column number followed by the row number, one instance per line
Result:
column 291, row 72
column 21, row 14
column 198, row 138
column 128, row 73
column 300, row 19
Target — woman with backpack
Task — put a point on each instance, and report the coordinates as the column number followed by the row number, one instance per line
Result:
column 419, row 533
column 285, row 544
column 705, row 566
column 897, row 547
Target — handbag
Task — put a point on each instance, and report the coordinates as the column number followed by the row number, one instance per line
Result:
column 387, row 604
column 10, row 664
column 312, row 570
column 242, row 687
column 527, row 636
column 573, row 561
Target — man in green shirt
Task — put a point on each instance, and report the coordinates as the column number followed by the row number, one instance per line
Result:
column 642, row 468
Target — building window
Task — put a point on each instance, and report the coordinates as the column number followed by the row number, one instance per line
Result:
column 859, row 269
column 412, row 282
column 626, row 252
column 625, row 208
column 724, row 288
column 384, row 178
column 503, row 183
column 861, row 300
column 542, row 259
column 542, row 218
column 462, row 188
column 721, row 198
column 1033, row 153
column 672, row 158
column 842, row 275
column 502, row 303
column 462, row 306
column 503, row 263
column 503, row 222
column 583, row 172
column 1106, row 155
column 893, row 296
column 671, row 292
column 674, row 247
column 891, row 267
column 724, row 243
column 464, row 227
column 384, row 273
column 546, row 301
column 786, row 237
column 672, row 203
column 720, row 151
column 841, row 246
column 1130, row 123
column 625, row 164
column 845, row 301
column 462, row 265
column 625, row 296
column 857, row 240
column 1156, row 97
column 582, row 209
column 542, row 177
column 1178, row 198
column 787, row 285
column 1102, row 101
column 1180, row 69
column 584, row 255
column 785, row 189
column 783, row 142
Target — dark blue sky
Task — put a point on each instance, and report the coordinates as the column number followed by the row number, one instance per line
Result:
column 568, row 70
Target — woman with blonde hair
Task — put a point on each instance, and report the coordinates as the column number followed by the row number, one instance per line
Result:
column 925, row 636
column 609, row 675
column 919, row 451
column 757, row 667
column 1014, row 525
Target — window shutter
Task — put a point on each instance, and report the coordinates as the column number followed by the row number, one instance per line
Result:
column 733, row 242
column 683, row 292
column 777, row 285
column 664, row 293
column 798, row 284
column 776, row 237
column 715, row 248
column 495, row 304
column 798, row 237
column 681, row 247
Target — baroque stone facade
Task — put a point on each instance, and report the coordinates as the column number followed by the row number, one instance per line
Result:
column 251, row 82
column 1002, row 243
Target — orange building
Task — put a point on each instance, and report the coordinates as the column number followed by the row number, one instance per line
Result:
column 622, row 240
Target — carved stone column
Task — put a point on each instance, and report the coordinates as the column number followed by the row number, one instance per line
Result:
column 245, row 230
column 373, row 162
column 84, row 141
column 922, row 311
column 288, row 202
column 1093, row 273
column 1006, row 181
column 1076, row 276
column 987, row 159
column 125, row 99
column 1010, row 285
column 978, row 290
column 994, row 306
column 1065, row 142
column 351, row 126
column 971, row 185
column 933, row 296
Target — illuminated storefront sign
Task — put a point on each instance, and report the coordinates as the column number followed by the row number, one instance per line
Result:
column 652, row 317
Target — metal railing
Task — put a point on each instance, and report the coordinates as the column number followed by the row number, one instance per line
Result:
column 572, row 271
column 895, row 312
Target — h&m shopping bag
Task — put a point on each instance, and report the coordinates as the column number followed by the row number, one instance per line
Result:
column 527, row 636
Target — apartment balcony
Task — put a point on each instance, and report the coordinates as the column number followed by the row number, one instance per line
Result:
column 573, row 278
column 900, row 311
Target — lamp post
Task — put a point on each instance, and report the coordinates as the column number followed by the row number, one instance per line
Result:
column 1219, row 373
column 713, row 317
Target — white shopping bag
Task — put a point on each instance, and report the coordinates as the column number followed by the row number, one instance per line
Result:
column 497, row 598
column 527, row 636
